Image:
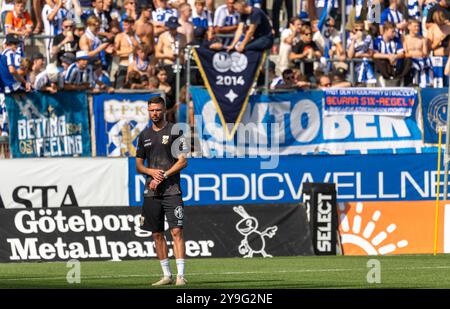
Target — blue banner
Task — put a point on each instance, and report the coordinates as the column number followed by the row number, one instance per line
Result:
column 357, row 177
column 119, row 119
column 434, row 111
column 43, row 125
column 375, row 101
column 294, row 123
column 229, row 79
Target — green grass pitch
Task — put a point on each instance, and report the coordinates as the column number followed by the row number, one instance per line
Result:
column 411, row 271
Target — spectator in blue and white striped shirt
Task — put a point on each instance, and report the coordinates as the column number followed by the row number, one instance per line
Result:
column 79, row 75
column 202, row 18
column 389, row 54
column 161, row 15
column 10, row 80
column 393, row 15
column 226, row 20
column 53, row 15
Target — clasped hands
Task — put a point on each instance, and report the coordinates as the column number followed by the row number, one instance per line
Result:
column 158, row 177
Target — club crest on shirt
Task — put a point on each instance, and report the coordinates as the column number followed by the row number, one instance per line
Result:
column 165, row 139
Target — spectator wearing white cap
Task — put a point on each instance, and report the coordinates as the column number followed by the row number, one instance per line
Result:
column 79, row 75
column 48, row 80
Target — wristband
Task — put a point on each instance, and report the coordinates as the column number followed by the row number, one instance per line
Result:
column 165, row 175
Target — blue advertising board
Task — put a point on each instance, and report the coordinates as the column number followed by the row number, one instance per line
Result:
column 357, row 177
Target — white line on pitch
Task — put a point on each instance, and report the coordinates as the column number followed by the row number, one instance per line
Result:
column 228, row 273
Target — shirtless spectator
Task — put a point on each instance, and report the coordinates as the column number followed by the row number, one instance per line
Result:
column 289, row 37
column 125, row 45
column 439, row 35
column 186, row 28
column 90, row 42
column 360, row 46
column 416, row 48
column 169, row 43
column 141, row 63
column 226, row 20
column 144, row 28
column 161, row 15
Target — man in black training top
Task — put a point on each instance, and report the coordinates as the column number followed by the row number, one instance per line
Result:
column 162, row 194
column 258, row 35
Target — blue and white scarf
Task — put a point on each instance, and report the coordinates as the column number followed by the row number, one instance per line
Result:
column 422, row 70
column 365, row 72
column 325, row 31
column 413, row 9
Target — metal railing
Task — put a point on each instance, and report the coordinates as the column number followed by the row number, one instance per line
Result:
column 4, row 148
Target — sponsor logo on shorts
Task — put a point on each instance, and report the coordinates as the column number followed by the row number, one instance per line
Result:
column 179, row 213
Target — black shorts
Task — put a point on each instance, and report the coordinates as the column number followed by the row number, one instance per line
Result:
column 156, row 207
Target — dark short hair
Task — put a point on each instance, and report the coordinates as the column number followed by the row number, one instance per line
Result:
column 157, row 100
column 287, row 72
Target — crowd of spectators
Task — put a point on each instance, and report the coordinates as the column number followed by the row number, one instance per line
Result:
column 104, row 45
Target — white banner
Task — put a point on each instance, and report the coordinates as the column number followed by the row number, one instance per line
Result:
column 40, row 183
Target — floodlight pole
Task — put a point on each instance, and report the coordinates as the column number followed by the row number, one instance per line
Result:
column 447, row 143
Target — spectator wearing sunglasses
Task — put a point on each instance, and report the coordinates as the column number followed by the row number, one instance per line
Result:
column 305, row 49
column 65, row 42
column 360, row 46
